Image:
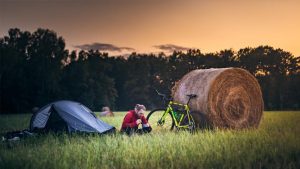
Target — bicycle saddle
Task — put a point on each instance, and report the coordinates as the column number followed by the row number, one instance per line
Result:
column 192, row 95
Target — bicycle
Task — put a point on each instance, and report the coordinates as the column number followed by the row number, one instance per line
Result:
column 175, row 114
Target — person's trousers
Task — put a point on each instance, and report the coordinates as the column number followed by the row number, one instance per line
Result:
column 130, row 131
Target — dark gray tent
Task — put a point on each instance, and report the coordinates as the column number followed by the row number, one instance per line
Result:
column 68, row 116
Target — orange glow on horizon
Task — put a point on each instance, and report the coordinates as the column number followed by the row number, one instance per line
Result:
column 210, row 26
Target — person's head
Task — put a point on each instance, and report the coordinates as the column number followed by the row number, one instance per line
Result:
column 139, row 109
column 106, row 109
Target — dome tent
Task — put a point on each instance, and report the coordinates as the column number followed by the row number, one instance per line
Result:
column 68, row 116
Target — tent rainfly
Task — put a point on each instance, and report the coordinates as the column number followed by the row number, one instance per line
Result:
column 68, row 116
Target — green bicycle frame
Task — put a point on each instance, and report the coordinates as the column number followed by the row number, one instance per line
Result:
column 178, row 122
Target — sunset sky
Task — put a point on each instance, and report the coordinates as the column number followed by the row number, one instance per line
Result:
column 125, row 26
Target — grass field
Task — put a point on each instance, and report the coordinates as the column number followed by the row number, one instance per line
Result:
column 275, row 144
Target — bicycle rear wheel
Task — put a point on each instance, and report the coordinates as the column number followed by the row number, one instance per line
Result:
column 190, row 123
column 158, row 123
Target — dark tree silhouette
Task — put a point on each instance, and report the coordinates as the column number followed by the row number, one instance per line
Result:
column 37, row 69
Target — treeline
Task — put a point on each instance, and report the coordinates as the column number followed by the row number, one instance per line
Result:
column 37, row 69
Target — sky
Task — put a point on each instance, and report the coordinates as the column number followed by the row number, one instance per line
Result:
column 144, row 26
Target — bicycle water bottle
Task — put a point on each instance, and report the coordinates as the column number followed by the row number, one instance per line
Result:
column 177, row 116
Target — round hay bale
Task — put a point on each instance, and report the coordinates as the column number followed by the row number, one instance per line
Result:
column 226, row 97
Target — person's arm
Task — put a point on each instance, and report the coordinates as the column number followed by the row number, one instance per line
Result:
column 129, row 122
column 145, row 122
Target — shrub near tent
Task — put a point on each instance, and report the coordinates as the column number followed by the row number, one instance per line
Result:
column 227, row 97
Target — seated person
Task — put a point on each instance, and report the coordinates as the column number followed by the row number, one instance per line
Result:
column 106, row 112
column 133, row 119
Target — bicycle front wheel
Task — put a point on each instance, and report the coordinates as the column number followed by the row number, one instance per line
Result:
column 159, row 121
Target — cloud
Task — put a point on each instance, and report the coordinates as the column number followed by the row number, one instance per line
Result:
column 171, row 48
column 103, row 47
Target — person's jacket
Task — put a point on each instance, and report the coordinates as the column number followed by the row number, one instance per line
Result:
column 130, row 120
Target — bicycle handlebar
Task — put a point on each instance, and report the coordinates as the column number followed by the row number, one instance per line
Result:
column 165, row 98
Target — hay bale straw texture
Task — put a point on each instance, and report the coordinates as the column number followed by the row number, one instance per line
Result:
column 226, row 97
